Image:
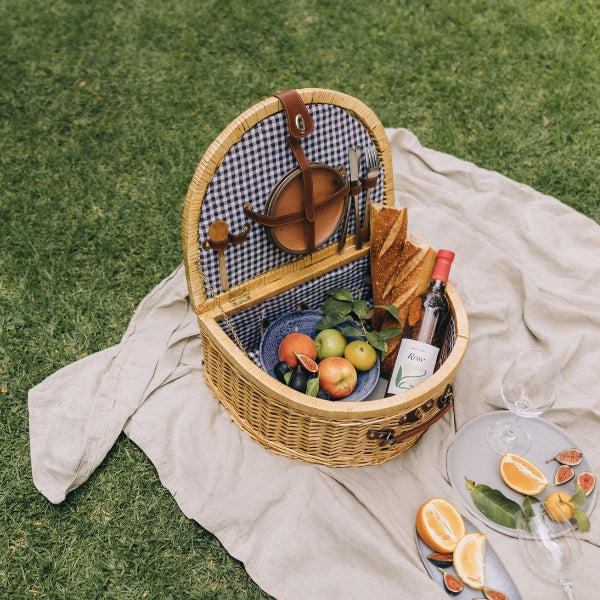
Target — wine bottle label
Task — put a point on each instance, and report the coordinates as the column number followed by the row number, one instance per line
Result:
column 415, row 362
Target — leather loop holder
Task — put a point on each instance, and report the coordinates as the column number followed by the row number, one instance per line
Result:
column 305, row 207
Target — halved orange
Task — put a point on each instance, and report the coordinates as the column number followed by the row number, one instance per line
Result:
column 522, row 475
column 469, row 559
column 440, row 525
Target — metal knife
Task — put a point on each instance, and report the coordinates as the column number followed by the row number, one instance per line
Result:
column 354, row 155
column 346, row 209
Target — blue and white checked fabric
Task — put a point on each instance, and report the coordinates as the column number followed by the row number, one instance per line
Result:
column 248, row 173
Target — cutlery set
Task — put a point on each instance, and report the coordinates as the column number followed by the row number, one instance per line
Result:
column 373, row 168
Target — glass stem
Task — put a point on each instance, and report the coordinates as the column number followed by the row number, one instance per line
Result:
column 510, row 428
column 568, row 587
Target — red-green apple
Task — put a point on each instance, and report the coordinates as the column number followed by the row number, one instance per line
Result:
column 337, row 376
column 330, row 342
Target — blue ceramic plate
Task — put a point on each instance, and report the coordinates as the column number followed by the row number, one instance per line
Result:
column 305, row 321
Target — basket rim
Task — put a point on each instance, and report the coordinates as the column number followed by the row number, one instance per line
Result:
column 433, row 387
column 212, row 159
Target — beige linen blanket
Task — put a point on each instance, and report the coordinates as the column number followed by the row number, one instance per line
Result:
column 527, row 269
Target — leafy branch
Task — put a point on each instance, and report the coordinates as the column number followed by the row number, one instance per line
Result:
column 340, row 307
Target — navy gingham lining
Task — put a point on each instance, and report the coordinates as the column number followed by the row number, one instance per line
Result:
column 248, row 173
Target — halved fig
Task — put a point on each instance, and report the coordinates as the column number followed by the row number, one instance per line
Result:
column 586, row 481
column 308, row 365
column 563, row 474
column 571, row 457
column 439, row 559
column 491, row 594
column 452, row 583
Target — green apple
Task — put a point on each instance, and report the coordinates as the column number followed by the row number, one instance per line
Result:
column 330, row 342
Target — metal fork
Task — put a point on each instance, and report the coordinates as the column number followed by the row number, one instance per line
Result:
column 373, row 167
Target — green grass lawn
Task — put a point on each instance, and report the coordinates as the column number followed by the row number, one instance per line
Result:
column 106, row 108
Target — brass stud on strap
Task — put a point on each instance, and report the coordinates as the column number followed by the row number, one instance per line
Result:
column 300, row 124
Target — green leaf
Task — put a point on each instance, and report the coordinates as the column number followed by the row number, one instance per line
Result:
column 494, row 504
column 312, row 386
column 287, row 377
column 336, row 308
column 329, row 322
column 352, row 331
column 361, row 308
column 374, row 338
column 583, row 521
column 528, row 503
column 388, row 334
column 340, row 294
column 579, row 497
column 390, row 308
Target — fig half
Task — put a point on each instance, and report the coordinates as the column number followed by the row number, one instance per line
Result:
column 452, row 584
column 492, row 594
column 571, row 457
column 586, row 481
column 563, row 474
column 439, row 559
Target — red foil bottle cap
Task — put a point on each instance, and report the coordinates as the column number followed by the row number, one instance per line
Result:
column 442, row 265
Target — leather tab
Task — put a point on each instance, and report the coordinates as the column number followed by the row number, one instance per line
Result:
column 369, row 184
column 300, row 123
column 355, row 189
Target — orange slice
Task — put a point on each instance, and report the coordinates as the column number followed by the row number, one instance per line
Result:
column 440, row 525
column 522, row 475
column 469, row 559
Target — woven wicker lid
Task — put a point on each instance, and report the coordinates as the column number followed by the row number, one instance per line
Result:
column 242, row 165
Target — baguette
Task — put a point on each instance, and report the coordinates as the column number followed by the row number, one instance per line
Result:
column 401, row 269
column 388, row 235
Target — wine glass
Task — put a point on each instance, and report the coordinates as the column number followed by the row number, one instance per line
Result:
column 551, row 548
column 529, row 388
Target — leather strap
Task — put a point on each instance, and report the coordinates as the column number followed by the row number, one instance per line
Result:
column 232, row 238
column 300, row 123
column 412, row 432
column 307, row 185
column 295, row 217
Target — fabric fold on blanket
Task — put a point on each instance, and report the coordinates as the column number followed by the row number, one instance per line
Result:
column 525, row 268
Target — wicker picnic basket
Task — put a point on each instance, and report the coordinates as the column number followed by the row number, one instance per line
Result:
column 242, row 279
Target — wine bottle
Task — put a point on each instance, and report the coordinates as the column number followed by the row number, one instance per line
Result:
column 424, row 331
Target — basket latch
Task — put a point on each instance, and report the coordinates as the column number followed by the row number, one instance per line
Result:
column 388, row 437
